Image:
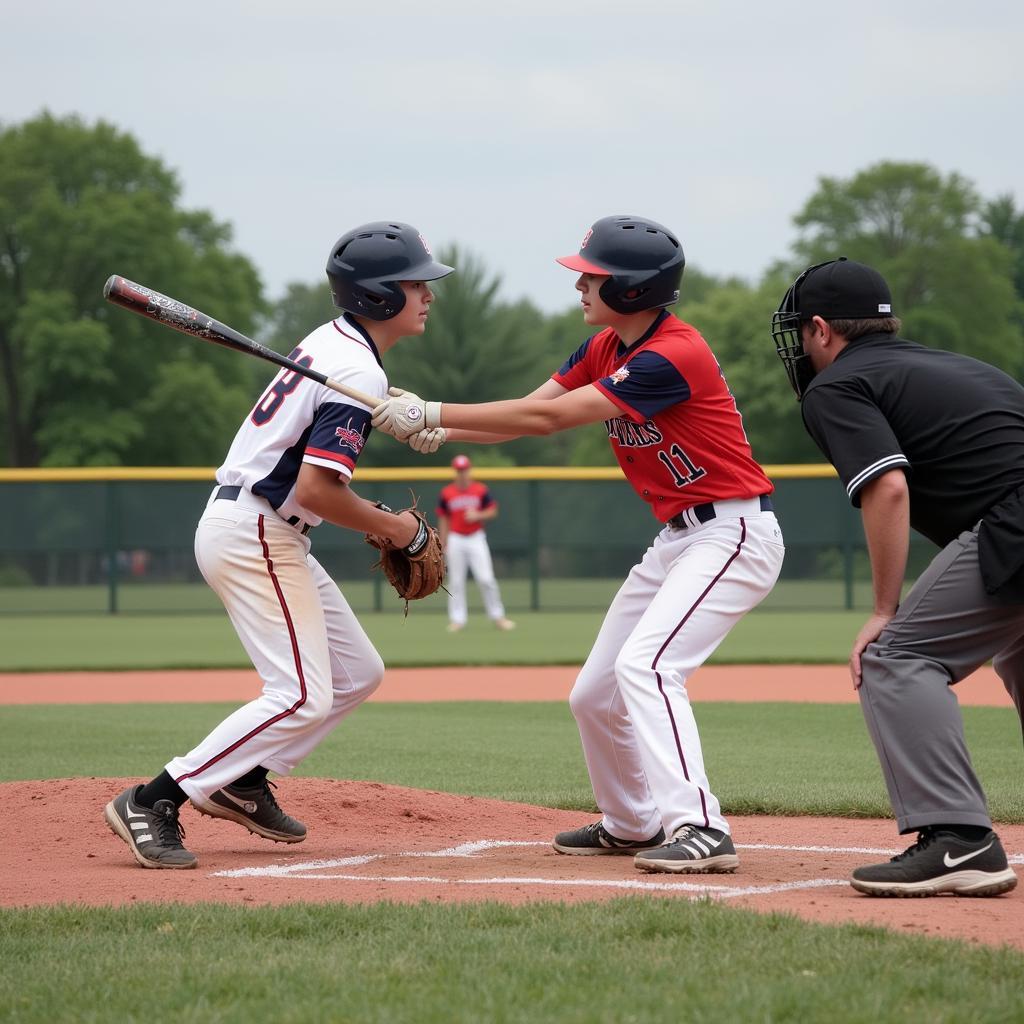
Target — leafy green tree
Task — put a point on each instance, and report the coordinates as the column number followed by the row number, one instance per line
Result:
column 735, row 321
column 1002, row 221
column 953, row 284
column 82, row 382
column 301, row 309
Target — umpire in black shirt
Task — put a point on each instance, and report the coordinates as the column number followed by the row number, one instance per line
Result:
column 934, row 441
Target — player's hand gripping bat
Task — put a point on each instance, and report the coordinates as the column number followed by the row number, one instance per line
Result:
column 162, row 308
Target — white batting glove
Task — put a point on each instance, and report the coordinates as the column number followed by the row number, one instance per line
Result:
column 426, row 442
column 405, row 413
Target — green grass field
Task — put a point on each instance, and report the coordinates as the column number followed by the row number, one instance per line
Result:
column 365, row 594
column 67, row 642
column 610, row 963
column 634, row 959
column 761, row 758
column 631, row 960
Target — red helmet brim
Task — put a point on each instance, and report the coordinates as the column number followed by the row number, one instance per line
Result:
column 582, row 266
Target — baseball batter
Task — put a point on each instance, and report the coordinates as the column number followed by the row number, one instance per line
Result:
column 678, row 437
column 288, row 469
column 463, row 507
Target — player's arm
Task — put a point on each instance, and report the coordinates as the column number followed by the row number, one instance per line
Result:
column 533, row 415
column 485, row 515
column 548, row 390
column 403, row 415
column 324, row 493
column 885, row 510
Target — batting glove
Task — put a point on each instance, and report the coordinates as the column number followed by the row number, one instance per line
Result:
column 405, row 413
column 426, row 442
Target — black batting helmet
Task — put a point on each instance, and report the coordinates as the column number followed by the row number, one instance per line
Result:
column 643, row 261
column 366, row 264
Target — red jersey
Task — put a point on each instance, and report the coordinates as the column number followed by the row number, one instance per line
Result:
column 680, row 438
column 455, row 500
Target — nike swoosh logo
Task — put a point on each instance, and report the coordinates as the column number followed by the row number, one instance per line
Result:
column 247, row 805
column 952, row 862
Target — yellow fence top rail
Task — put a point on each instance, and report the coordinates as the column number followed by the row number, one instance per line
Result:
column 101, row 474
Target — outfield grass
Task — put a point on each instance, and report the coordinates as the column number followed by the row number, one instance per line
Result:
column 117, row 642
column 629, row 960
column 369, row 594
column 761, row 758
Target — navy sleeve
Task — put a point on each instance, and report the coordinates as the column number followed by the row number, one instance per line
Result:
column 576, row 357
column 486, row 501
column 647, row 384
column 853, row 435
column 337, row 436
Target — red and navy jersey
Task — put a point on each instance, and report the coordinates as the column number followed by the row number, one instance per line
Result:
column 455, row 500
column 680, row 438
column 298, row 420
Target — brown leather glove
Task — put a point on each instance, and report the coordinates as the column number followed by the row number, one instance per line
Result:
column 417, row 570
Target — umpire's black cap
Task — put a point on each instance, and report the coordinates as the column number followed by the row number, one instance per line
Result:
column 843, row 290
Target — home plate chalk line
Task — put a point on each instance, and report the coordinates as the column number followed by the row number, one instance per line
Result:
column 326, row 870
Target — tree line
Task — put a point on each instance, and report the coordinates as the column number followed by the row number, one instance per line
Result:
column 84, row 384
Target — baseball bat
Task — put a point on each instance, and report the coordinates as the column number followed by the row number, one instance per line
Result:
column 174, row 314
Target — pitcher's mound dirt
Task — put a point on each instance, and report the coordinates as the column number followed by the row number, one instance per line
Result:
column 371, row 842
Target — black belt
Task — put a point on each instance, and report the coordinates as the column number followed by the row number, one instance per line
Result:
column 232, row 493
column 705, row 513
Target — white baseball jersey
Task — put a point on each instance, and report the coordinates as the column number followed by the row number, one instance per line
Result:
column 298, row 420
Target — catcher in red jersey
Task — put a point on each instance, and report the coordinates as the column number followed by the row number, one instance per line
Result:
column 678, row 436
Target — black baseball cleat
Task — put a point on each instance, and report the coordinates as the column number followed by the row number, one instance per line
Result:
column 254, row 808
column 594, row 840
column 153, row 835
column 692, row 849
column 940, row 862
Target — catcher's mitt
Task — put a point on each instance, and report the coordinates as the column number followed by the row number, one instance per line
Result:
column 417, row 570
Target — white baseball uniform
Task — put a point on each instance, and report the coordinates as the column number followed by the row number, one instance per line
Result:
column 316, row 661
column 466, row 550
column 680, row 442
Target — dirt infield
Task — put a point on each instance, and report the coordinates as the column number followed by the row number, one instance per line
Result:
column 820, row 684
column 371, row 842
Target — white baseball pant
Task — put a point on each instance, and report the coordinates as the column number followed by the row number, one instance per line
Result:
column 469, row 552
column 316, row 661
column 638, row 730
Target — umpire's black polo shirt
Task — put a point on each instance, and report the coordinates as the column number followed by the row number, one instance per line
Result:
column 953, row 424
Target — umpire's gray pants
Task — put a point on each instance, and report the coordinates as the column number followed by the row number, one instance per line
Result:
column 947, row 627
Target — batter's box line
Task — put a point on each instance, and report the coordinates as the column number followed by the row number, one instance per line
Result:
column 305, row 869
column 718, row 892
column 472, row 849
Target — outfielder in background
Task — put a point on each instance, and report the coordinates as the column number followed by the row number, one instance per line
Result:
column 287, row 470
column 464, row 506
column 678, row 437
column 935, row 441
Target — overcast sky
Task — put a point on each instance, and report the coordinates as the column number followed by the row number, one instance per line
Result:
column 510, row 133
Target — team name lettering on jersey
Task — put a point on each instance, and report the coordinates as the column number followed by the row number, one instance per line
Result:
column 633, row 435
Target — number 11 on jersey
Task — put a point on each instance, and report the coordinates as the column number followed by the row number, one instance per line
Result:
column 680, row 465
